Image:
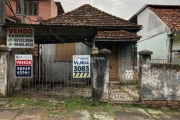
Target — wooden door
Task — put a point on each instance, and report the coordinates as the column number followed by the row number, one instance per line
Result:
column 113, row 62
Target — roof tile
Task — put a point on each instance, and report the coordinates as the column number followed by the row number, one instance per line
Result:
column 116, row 35
column 88, row 15
column 170, row 15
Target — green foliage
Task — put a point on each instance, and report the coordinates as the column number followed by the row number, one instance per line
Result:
column 23, row 101
column 66, row 105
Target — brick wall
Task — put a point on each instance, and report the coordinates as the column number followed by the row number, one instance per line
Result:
column 160, row 103
column 46, row 10
column 54, row 9
column 8, row 12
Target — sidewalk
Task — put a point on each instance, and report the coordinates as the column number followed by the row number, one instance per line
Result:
column 125, row 112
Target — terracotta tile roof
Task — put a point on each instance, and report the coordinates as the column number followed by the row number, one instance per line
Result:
column 88, row 15
column 170, row 15
column 117, row 35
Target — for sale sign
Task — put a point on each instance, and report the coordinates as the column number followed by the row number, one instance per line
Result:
column 81, row 66
column 23, row 66
column 20, row 37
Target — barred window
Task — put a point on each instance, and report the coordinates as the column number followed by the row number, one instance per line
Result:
column 64, row 52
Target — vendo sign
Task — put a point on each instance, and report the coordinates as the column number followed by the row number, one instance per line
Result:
column 20, row 37
column 23, row 66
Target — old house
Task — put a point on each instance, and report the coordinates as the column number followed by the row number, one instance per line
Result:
column 114, row 33
column 75, row 32
column 160, row 33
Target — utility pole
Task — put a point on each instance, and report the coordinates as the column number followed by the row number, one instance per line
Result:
column 2, row 17
column 2, row 12
column 22, row 11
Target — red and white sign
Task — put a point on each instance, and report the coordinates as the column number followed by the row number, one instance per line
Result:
column 23, row 62
column 20, row 37
column 23, row 66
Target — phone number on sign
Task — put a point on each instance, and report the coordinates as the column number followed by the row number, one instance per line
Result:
column 81, row 71
column 23, row 44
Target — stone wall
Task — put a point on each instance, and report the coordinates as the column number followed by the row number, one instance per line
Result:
column 160, row 82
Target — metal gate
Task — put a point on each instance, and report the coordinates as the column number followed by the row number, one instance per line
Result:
column 126, row 88
column 53, row 79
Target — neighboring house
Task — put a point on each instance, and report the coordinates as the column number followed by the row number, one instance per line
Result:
column 160, row 33
column 34, row 10
column 114, row 33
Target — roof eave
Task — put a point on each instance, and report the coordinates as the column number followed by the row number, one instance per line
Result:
column 118, row 40
column 120, row 27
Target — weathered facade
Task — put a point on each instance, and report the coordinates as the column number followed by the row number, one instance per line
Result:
column 159, row 82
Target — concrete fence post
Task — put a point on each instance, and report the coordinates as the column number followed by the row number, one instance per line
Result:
column 4, row 51
column 144, row 57
column 100, row 80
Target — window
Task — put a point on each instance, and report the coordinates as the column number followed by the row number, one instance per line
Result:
column 64, row 52
column 30, row 7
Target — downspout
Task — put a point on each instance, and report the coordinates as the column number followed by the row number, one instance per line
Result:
column 170, row 47
column 172, row 35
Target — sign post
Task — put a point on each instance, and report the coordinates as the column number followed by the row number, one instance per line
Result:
column 81, row 66
column 20, row 37
column 23, row 66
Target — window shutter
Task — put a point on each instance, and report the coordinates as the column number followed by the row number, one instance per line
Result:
column 64, row 52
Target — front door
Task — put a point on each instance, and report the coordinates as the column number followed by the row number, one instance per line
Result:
column 113, row 61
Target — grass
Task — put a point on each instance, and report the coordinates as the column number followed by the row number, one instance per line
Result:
column 68, row 105
column 84, row 103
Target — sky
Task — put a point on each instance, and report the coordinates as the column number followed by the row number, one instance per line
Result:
column 121, row 8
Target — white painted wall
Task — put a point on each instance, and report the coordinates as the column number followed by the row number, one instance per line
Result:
column 154, row 34
column 158, row 45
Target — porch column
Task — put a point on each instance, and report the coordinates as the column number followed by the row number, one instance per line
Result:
column 144, row 57
column 101, row 74
column 4, row 51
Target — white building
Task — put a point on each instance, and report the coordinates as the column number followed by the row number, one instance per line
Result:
column 160, row 32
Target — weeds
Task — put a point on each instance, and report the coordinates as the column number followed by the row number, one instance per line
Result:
column 68, row 105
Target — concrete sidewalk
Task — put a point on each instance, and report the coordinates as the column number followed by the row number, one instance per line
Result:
column 125, row 114
column 8, row 112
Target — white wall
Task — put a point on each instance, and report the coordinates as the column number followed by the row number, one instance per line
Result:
column 154, row 34
column 158, row 45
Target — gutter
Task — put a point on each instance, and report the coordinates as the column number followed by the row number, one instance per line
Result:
column 172, row 35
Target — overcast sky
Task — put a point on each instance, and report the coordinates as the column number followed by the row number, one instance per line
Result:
column 121, row 8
